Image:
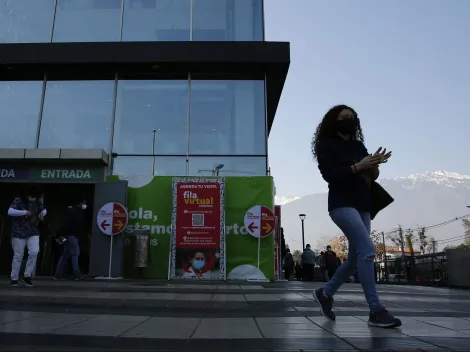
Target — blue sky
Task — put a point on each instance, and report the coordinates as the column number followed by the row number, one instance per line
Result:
column 403, row 65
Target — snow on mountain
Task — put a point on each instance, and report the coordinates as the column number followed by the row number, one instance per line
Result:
column 421, row 199
column 281, row 200
column 439, row 177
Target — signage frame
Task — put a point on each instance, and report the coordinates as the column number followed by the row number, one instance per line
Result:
column 222, row 275
column 51, row 173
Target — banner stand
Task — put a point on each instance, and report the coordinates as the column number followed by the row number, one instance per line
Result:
column 109, row 277
column 258, row 279
column 112, row 219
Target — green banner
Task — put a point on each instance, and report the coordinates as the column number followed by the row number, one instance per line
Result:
column 150, row 207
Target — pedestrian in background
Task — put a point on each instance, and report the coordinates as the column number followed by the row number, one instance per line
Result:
column 321, row 264
column 74, row 231
column 308, row 263
column 288, row 264
column 331, row 261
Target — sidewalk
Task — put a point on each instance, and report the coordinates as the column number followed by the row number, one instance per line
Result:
column 201, row 316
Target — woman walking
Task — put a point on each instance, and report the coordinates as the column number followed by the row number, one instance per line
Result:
column 26, row 212
column 349, row 170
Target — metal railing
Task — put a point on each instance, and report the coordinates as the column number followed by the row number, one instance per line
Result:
column 426, row 270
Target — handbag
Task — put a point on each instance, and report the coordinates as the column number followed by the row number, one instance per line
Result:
column 380, row 199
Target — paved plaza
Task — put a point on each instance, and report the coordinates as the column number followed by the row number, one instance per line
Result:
column 202, row 316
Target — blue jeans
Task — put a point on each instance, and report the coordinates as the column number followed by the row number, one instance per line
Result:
column 71, row 250
column 356, row 227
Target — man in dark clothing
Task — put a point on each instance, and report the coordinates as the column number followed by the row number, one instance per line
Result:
column 308, row 263
column 288, row 264
column 331, row 262
column 73, row 230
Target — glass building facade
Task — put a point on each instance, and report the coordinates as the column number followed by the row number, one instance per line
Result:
column 45, row 21
column 173, row 127
column 169, row 127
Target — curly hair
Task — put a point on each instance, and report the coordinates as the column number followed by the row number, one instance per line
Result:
column 326, row 127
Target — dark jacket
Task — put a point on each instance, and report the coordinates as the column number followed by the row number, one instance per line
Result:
column 289, row 262
column 346, row 189
column 74, row 223
column 331, row 261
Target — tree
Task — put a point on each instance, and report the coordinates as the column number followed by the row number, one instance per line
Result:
column 377, row 239
column 399, row 239
column 466, row 226
column 423, row 241
column 323, row 242
column 396, row 239
column 297, row 254
column 430, row 246
column 339, row 245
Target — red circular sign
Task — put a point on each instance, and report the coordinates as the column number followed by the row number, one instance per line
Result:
column 259, row 221
column 267, row 221
column 112, row 219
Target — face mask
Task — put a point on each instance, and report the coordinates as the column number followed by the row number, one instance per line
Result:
column 83, row 206
column 198, row 264
column 346, row 126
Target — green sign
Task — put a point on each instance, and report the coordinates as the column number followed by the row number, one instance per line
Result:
column 150, row 208
column 65, row 174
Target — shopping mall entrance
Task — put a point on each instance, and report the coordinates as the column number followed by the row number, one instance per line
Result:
column 60, row 175
column 57, row 197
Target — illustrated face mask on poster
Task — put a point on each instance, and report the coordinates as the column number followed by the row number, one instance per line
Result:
column 199, row 263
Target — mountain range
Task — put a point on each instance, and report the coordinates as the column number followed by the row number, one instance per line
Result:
column 423, row 199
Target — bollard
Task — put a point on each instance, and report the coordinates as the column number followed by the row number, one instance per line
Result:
column 141, row 248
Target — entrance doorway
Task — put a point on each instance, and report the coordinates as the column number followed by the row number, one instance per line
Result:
column 57, row 198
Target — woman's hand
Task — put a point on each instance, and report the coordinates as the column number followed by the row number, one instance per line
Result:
column 28, row 213
column 368, row 162
column 383, row 154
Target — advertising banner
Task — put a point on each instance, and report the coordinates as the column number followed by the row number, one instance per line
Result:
column 150, row 205
column 198, row 229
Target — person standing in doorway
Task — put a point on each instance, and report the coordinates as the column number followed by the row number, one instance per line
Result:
column 74, row 231
column 331, row 261
column 26, row 212
column 308, row 263
column 349, row 169
column 288, row 264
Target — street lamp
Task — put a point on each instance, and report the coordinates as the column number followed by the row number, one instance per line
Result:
column 302, row 218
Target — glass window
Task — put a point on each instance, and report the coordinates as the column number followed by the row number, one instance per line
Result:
column 132, row 165
column 170, row 166
column 143, row 165
column 146, row 106
column 227, row 118
column 151, row 20
column 87, row 21
column 228, row 20
column 20, row 103
column 26, row 21
column 77, row 114
column 232, row 166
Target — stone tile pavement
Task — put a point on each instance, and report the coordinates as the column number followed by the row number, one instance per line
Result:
column 201, row 316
